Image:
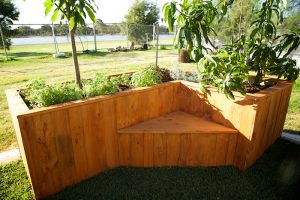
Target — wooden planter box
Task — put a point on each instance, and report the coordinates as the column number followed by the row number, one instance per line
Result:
column 64, row 144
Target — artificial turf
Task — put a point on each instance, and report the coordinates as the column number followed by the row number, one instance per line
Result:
column 276, row 175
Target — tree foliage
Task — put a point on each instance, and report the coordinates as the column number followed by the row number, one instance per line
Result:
column 75, row 12
column 140, row 17
column 194, row 21
column 268, row 51
column 8, row 13
column 263, row 50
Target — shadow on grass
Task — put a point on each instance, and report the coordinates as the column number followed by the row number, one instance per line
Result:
column 275, row 175
column 29, row 54
column 291, row 131
column 68, row 54
column 94, row 54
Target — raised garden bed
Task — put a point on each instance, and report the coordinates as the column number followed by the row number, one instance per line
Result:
column 67, row 143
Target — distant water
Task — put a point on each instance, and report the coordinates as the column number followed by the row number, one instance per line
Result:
column 64, row 39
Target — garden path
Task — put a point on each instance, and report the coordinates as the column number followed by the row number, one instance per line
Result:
column 8, row 156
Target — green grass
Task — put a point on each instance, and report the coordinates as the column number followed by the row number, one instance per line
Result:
column 275, row 175
column 292, row 122
column 14, row 183
column 41, row 50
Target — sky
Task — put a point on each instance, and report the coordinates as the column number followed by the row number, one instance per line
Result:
column 110, row 11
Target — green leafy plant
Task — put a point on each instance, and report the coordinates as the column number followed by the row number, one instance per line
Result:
column 38, row 94
column 146, row 77
column 194, row 20
column 59, row 93
column 32, row 91
column 124, row 79
column 101, row 85
column 263, row 51
column 268, row 53
column 74, row 12
column 226, row 70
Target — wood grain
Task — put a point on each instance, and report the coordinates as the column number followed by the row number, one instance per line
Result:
column 170, row 124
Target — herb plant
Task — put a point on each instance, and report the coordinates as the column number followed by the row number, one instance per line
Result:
column 59, row 93
column 101, row 85
column 124, row 79
column 146, row 77
column 38, row 94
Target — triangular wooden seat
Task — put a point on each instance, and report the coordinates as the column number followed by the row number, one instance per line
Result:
column 177, row 123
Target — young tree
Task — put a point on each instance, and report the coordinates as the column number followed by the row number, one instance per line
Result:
column 8, row 13
column 75, row 12
column 142, row 12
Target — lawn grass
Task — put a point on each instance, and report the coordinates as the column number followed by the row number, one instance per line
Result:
column 40, row 50
column 292, row 123
column 275, row 175
column 14, row 183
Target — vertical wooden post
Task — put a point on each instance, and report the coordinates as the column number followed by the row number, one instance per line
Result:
column 54, row 39
column 127, row 33
column 95, row 37
column 157, row 38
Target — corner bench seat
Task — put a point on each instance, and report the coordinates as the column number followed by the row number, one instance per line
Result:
column 177, row 139
column 177, row 123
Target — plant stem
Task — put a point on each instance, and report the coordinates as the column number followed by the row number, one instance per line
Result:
column 258, row 78
column 75, row 59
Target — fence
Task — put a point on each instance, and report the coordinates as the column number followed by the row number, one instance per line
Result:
column 45, row 39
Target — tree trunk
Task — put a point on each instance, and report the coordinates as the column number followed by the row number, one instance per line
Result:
column 75, row 59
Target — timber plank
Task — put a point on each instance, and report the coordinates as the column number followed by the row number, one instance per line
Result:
column 222, row 142
column 64, row 146
column 185, row 149
column 44, row 149
column 160, row 150
column 124, row 150
column 94, row 138
column 78, row 141
column 148, row 150
column 136, row 150
column 173, row 150
column 177, row 123
column 109, row 130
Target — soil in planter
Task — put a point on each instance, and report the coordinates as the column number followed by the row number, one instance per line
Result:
column 123, row 87
column 250, row 88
